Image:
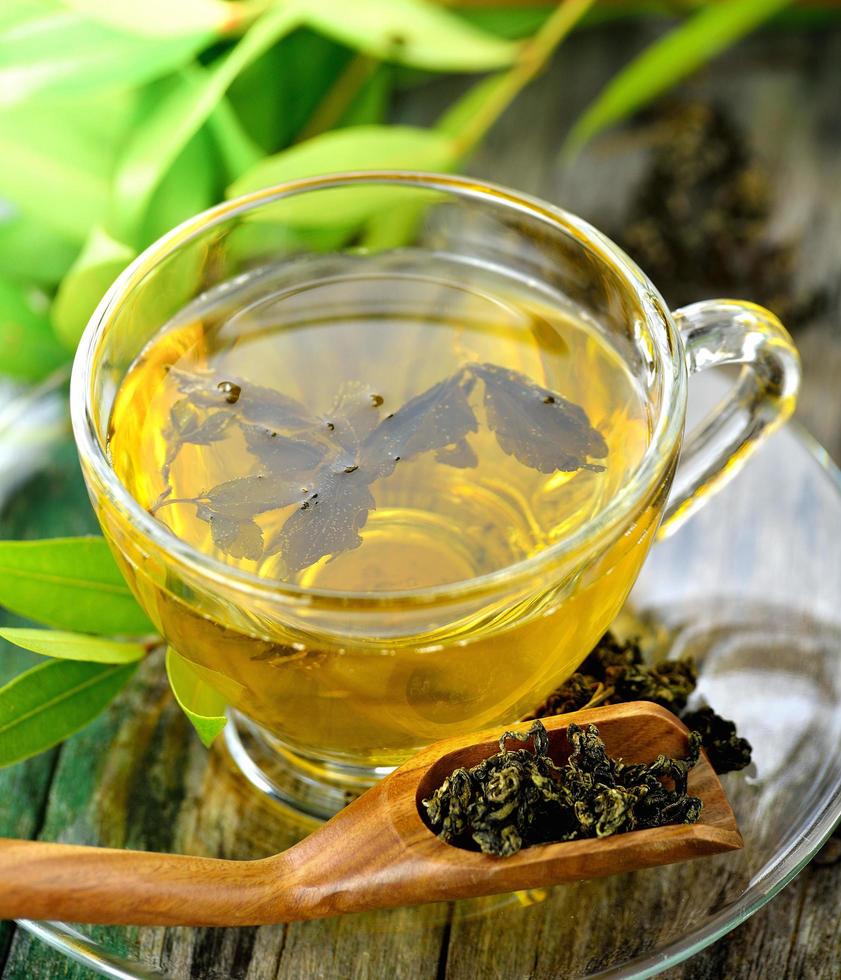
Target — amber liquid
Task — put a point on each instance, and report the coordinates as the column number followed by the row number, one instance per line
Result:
column 345, row 337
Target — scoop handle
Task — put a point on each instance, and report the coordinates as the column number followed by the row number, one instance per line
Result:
column 74, row 883
column 351, row 863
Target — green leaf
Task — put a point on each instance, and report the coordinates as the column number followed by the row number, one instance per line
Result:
column 177, row 117
column 192, row 184
column 673, row 57
column 69, row 583
column 30, row 250
column 200, row 702
column 410, row 32
column 101, row 260
column 172, row 284
column 74, row 646
column 276, row 95
column 397, row 226
column 239, row 152
column 60, row 53
column 29, row 349
column 52, row 176
column 50, row 702
column 370, row 104
column 354, row 148
column 393, row 228
column 56, row 161
column 14, row 12
column 510, row 21
column 161, row 18
column 459, row 114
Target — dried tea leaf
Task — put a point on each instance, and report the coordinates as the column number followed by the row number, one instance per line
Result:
column 726, row 751
column 327, row 523
column 620, row 667
column 668, row 683
column 611, row 652
column 575, row 692
column 614, row 671
column 589, row 754
column 537, row 426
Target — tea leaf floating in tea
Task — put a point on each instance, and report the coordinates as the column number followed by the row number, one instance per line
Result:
column 254, row 403
column 328, row 521
column 282, row 454
column 614, row 671
column 439, row 417
column 521, row 797
column 366, row 449
column 537, row 426
column 327, row 463
column 461, row 455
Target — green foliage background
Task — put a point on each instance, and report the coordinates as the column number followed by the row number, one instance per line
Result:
column 121, row 118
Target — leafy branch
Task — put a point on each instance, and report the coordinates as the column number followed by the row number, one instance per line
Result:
column 103, row 634
column 497, row 94
column 119, row 120
column 701, row 37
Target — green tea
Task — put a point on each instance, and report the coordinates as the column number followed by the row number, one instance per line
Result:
column 375, row 425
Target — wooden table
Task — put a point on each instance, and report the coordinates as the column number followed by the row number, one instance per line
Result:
column 784, row 89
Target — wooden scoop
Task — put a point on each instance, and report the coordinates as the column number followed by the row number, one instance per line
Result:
column 376, row 853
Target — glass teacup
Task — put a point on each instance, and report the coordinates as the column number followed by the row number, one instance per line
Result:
column 332, row 684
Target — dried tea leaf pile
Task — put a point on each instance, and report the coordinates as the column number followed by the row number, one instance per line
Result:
column 615, row 672
column 521, row 797
column 701, row 221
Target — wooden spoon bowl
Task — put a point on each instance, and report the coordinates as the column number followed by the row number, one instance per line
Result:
column 377, row 853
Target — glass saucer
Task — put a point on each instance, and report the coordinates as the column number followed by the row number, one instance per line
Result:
column 750, row 586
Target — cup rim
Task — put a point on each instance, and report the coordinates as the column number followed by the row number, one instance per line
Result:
column 666, row 432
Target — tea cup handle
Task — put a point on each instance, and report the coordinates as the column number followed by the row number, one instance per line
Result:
column 724, row 331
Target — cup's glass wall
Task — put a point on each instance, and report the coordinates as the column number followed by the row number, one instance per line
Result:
column 368, row 679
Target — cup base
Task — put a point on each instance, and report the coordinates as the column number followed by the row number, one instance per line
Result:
column 313, row 789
